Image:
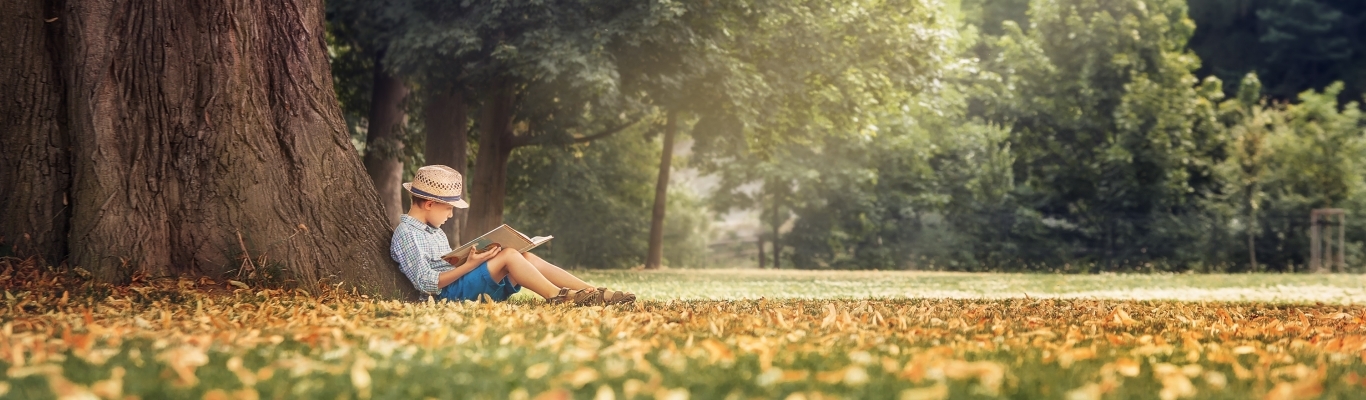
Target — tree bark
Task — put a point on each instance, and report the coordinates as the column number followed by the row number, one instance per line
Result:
column 490, row 164
column 35, row 172
column 777, row 236
column 204, row 139
column 1252, row 227
column 384, row 141
column 762, row 259
column 446, row 118
column 655, row 258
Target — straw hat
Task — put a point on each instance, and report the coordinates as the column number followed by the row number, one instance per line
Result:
column 438, row 183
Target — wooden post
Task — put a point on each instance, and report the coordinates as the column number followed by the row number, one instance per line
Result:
column 1322, row 258
column 1342, row 242
column 1315, row 259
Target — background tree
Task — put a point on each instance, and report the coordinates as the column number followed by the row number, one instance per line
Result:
column 600, row 190
column 204, row 140
column 819, row 69
column 440, row 136
column 1251, row 128
column 1106, row 116
column 1313, row 162
column 360, row 39
column 1293, row 46
column 525, row 62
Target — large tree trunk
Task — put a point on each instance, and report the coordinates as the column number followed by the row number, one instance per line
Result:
column 655, row 258
column 35, row 169
column 383, row 140
column 490, row 163
column 446, row 119
column 205, row 140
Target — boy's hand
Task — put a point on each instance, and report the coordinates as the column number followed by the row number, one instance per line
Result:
column 479, row 258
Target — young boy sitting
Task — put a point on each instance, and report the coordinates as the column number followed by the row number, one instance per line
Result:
column 419, row 243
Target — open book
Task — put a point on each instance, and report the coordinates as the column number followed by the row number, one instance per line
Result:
column 503, row 236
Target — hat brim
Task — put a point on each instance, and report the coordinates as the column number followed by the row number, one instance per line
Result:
column 457, row 204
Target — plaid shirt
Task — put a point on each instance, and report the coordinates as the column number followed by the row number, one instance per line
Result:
column 418, row 248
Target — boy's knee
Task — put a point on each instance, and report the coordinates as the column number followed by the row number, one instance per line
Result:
column 508, row 254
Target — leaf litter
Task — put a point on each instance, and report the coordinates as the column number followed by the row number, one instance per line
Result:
column 64, row 337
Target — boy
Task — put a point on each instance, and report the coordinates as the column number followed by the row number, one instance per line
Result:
column 419, row 243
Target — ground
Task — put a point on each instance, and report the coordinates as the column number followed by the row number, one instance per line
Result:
column 703, row 335
column 707, row 284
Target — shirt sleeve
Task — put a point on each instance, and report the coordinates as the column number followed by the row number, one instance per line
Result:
column 404, row 249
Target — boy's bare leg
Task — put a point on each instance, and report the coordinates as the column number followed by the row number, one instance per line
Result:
column 511, row 262
column 555, row 274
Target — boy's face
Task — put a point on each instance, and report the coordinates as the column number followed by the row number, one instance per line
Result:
column 437, row 213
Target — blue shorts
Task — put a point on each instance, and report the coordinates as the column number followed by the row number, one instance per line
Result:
column 478, row 281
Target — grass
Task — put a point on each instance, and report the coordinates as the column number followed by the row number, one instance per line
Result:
column 791, row 284
column 699, row 334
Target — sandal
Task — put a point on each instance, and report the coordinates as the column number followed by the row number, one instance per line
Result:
column 581, row 297
column 616, row 296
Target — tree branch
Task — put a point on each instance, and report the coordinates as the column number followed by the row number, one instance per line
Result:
column 524, row 140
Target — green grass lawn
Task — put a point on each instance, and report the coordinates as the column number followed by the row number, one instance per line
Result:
column 740, row 334
column 709, row 284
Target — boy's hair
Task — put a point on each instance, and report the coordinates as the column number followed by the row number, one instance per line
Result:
column 418, row 201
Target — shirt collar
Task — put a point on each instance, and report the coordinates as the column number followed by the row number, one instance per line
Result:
column 408, row 219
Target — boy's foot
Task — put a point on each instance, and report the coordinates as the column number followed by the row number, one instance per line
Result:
column 591, row 297
column 616, row 296
column 580, row 297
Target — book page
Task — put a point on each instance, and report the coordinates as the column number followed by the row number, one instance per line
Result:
column 503, row 235
column 537, row 241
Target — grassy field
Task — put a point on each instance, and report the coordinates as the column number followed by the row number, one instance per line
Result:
column 790, row 284
column 701, row 335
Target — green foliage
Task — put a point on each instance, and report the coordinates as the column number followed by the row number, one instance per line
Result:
column 989, row 16
column 1083, row 143
column 687, row 228
column 804, row 70
column 1106, row 115
column 1313, row 160
column 352, row 78
column 897, row 199
column 1293, row 45
column 559, row 58
column 822, row 75
column 594, row 197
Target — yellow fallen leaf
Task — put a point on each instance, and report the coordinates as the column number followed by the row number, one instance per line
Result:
column 719, row 351
column 538, row 370
column 183, row 360
column 581, row 376
column 555, row 394
column 1126, row 366
column 938, row 391
column 605, row 393
column 1090, row 391
column 673, row 394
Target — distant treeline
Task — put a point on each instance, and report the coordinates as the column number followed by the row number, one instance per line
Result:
column 1088, row 136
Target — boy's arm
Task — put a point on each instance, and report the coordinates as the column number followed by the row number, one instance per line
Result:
column 471, row 262
column 404, row 249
